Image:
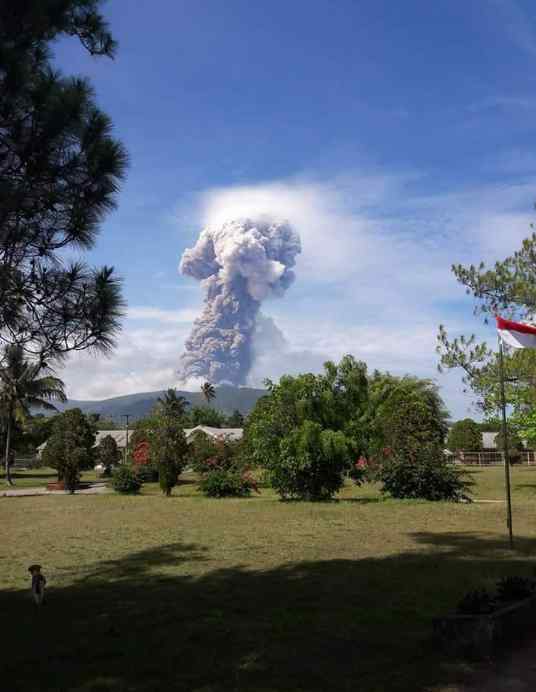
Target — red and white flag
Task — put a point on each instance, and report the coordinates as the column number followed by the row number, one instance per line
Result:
column 516, row 334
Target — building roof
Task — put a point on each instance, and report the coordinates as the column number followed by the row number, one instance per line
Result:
column 120, row 436
column 216, row 433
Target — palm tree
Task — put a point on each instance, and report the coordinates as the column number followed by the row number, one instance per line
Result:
column 172, row 404
column 208, row 391
column 24, row 385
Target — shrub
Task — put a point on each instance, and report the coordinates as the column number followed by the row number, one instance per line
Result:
column 360, row 471
column 146, row 473
column 71, row 469
column 168, row 449
column 71, row 431
column 311, row 463
column 200, row 448
column 108, row 453
column 124, row 480
column 515, row 588
column 477, row 602
column 141, row 454
column 422, row 474
column 225, row 455
column 227, row 483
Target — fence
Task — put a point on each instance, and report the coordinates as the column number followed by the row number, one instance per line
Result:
column 24, row 462
column 494, row 457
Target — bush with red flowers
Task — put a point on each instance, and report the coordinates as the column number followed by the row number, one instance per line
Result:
column 225, row 473
column 142, row 465
column 359, row 470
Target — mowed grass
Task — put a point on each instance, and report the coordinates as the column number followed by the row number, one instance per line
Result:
column 186, row 593
column 36, row 478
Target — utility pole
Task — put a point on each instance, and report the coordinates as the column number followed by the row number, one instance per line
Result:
column 505, row 452
column 127, row 416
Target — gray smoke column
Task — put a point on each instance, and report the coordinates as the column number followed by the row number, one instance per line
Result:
column 239, row 263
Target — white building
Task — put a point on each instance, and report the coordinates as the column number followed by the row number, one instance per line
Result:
column 120, row 436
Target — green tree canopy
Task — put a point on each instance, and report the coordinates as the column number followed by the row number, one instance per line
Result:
column 60, row 169
column 24, row 385
column 465, row 435
column 172, row 404
column 168, row 449
column 509, row 288
column 108, row 453
column 208, row 391
column 408, row 414
column 307, row 429
column 70, row 448
column 235, row 420
column 204, row 415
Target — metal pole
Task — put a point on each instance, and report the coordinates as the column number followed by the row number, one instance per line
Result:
column 505, row 444
column 127, row 416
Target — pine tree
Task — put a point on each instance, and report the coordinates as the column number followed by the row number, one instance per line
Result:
column 60, row 169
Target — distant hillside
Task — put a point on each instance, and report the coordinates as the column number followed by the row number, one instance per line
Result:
column 139, row 405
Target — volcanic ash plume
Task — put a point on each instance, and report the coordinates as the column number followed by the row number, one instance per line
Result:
column 240, row 264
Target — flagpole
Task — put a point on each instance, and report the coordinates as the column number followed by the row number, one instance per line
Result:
column 505, row 445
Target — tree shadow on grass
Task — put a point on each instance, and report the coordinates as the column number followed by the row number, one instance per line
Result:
column 155, row 621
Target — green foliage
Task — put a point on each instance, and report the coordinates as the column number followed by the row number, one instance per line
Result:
column 422, row 474
column 235, row 420
column 108, row 453
column 208, row 391
column 476, row 602
column 515, row 588
column 168, row 450
column 226, row 483
column 465, row 435
column 171, row 404
column 311, row 464
column 482, row 602
column 204, row 415
column 310, row 429
column 125, row 481
column 201, row 447
column 490, row 425
column 74, row 461
column 60, row 170
column 515, row 443
column 72, row 438
column 140, row 433
column 23, row 384
column 224, row 468
column 410, row 415
column 509, row 288
column 103, row 423
column 146, row 473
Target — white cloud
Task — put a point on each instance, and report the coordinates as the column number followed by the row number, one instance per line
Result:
column 186, row 315
column 517, row 24
column 374, row 278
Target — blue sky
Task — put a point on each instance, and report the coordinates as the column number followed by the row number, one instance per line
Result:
column 397, row 137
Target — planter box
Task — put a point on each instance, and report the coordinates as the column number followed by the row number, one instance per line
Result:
column 480, row 636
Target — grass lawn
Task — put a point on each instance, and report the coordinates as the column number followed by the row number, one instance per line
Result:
column 186, row 593
column 37, row 478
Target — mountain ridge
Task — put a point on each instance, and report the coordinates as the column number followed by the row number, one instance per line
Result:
column 139, row 404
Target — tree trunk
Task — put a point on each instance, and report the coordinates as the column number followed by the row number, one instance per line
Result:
column 8, row 450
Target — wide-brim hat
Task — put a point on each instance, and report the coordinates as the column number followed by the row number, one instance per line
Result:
column 31, row 568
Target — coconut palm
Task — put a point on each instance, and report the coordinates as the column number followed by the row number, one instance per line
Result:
column 208, row 391
column 24, row 385
column 172, row 404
